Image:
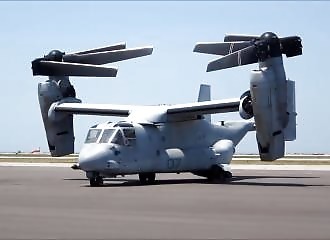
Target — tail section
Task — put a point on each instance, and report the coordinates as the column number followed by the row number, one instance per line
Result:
column 205, row 95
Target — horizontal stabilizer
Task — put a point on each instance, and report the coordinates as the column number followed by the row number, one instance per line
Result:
column 109, row 56
column 52, row 68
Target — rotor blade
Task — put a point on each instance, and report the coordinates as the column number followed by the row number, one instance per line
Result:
column 50, row 68
column 108, row 57
column 220, row 48
column 288, row 40
column 239, row 37
column 291, row 46
column 245, row 56
column 113, row 47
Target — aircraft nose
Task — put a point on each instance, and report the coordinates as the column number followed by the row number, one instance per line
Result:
column 87, row 163
column 94, row 159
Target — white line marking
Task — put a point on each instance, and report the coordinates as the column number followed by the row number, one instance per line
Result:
column 239, row 60
column 36, row 157
column 231, row 48
column 281, row 167
column 13, row 164
column 233, row 166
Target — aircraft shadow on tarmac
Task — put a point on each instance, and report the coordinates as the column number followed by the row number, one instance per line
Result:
column 236, row 180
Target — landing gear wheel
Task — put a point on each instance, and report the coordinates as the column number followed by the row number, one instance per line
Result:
column 228, row 175
column 96, row 181
column 147, row 178
column 218, row 175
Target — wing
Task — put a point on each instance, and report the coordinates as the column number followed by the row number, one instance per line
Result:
column 94, row 109
column 207, row 107
column 151, row 114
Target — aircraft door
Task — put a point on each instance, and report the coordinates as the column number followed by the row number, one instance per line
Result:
column 148, row 147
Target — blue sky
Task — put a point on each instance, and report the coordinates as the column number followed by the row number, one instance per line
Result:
column 173, row 73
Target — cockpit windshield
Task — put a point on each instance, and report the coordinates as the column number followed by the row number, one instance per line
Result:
column 107, row 133
column 118, row 138
column 123, row 134
column 93, row 135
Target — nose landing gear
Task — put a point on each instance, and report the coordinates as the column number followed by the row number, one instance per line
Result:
column 95, row 180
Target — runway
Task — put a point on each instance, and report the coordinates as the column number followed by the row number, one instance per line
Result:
column 57, row 203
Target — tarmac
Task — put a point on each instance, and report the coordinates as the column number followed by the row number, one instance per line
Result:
column 57, row 203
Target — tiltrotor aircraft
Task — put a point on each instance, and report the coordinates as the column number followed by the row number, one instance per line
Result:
column 172, row 138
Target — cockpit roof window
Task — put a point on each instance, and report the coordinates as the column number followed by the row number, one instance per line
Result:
column 107, row 133
column 93, row 135
column 123, row 124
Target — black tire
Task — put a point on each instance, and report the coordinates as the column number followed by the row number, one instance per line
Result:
column 96, row 181
column 218, row 175
column 147, row 178
column 143, row 178
column 228, row 175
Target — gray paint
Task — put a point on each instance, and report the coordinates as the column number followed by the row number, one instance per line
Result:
column 198, row 142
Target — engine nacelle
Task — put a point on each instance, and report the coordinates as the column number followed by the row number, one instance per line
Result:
column 59, row 127
column 273, row 106
column 290, row 129
column 245, row 106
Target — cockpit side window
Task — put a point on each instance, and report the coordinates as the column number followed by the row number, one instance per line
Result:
column 129, row 133
column 93, row 135
column 118, row 138
column 107, row 133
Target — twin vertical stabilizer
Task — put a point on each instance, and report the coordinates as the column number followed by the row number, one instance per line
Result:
column 205, row 95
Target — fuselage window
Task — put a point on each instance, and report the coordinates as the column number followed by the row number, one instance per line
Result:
column 107, row 133
column 93, row 135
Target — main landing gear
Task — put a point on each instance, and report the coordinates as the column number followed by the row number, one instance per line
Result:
column 218, row 175
column 147, row 178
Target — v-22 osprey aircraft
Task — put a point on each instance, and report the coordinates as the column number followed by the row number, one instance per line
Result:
column 171, row 138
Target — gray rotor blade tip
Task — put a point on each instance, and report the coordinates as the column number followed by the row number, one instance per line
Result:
column 243, row 57
column 117, row 46
column 50, row 68
column 239, row 37
column 220, row 48
column 108, row 57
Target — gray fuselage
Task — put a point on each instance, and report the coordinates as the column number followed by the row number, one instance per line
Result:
column 169, row 147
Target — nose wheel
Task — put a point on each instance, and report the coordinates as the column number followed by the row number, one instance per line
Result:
column 96, row 181
column 147, row 178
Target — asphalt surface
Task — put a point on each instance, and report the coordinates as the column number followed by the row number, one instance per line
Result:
column 57, row 203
